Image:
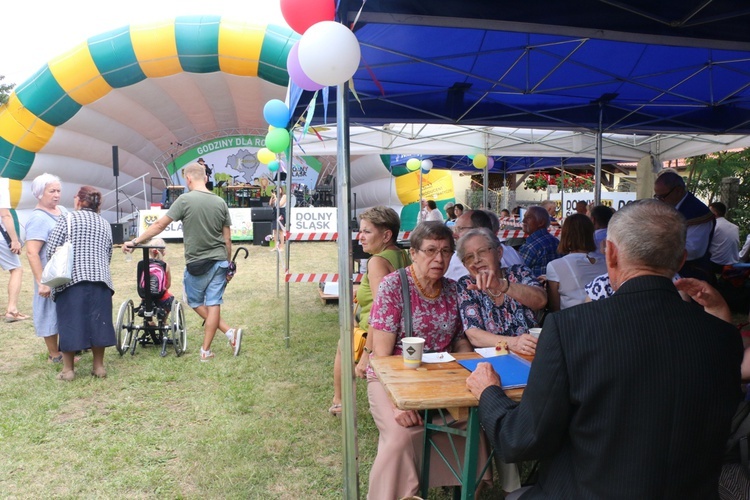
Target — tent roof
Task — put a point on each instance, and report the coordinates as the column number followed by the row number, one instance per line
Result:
column 491, row 67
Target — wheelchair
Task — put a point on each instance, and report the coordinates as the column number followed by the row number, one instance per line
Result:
column 158, row 327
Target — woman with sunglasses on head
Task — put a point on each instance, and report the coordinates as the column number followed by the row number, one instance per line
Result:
column 495, row 301
column 434, row 317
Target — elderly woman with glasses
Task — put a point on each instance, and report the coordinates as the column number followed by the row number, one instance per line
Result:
column 495, row 301
column 434, row 317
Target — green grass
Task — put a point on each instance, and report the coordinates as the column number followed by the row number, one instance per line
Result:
column 255, row 426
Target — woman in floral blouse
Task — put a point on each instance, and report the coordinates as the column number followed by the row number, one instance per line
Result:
column 495, row 301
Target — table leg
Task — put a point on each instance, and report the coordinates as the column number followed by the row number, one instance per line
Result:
column 424, row 478
column 469, row 480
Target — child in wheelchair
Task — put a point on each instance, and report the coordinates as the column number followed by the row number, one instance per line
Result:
column 160, row 278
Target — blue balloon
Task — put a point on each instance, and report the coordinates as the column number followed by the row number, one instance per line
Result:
column 276, row 113
column 273, row 166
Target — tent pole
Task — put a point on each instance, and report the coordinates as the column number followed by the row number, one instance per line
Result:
column 348, row 415
column 562, row 189
column 290, row 163
column 598, row 162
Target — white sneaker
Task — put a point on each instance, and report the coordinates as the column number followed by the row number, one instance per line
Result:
column 236, row 340
column 206, row 355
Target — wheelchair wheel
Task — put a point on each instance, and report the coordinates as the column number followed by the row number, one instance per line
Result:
column 124, row 327
column 179, row 335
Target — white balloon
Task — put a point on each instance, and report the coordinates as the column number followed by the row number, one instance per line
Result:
column 329, row 53
column 426, row 166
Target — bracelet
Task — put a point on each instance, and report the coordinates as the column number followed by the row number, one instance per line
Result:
column 507, row 285
column 367, row 350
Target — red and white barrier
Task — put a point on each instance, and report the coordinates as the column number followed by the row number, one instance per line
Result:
column 319, row 278
column 403, row 235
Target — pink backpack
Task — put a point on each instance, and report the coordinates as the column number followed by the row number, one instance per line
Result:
column 158, row 278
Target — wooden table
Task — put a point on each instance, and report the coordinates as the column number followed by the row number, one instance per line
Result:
column 433, row 387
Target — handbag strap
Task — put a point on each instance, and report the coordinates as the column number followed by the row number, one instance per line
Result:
column 407, row 302
column 68, row 217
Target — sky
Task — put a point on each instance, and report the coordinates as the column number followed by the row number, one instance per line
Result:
column 32, row 33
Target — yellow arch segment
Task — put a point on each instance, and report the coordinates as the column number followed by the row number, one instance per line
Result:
column 436, row 185
column 239, row 47
column 79, row 77
column 155, row 49
column 15, row 188
column 23, row 128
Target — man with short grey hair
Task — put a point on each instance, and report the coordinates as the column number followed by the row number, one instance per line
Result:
column 540, row 247
column 628, row 397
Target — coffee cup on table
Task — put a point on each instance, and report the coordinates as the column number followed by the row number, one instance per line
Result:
column 412, row 348
column 535, row 332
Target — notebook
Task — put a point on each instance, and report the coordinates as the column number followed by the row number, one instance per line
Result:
column 513, row 371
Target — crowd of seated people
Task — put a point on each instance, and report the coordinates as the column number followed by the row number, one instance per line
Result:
column 466, row 292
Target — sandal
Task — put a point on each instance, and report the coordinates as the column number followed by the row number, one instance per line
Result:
column 56, row 359
column 12, row 317
column 66, row 376
column 335, row 410
column 100, row 373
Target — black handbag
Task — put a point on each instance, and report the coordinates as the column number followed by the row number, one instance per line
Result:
column 200, row 267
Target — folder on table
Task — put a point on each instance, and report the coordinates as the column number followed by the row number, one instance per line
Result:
column 513, row 371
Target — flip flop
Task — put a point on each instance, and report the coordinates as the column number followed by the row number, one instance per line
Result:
column 66, row 376
column 335, row 410
column 102, row 373
column 12, row 317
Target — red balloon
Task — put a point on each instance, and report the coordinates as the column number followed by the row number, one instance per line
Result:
column 301, row 14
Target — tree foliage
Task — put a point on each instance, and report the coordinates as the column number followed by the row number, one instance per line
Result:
column 5, row 90
column 706, row 173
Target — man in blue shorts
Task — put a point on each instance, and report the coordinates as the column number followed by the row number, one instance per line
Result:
column 208, row 253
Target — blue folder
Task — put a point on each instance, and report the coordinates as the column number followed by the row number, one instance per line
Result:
column 513, row 371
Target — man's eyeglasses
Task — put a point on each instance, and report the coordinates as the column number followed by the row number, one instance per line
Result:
column 461, row 229
column 471, row 258
column 662, row 197
column 432, row 252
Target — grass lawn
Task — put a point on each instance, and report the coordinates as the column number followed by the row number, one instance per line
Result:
column 255, row 426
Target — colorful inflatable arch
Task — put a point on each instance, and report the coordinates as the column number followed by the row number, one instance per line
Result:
column 385, row 180
column 145, row 88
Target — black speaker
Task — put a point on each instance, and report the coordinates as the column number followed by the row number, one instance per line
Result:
column 260, row 214
column 115, row 162
column 118, row 233
column 260, row 231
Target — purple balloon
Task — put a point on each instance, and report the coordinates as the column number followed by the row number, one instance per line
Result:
column 295, row 71
column 490, row 162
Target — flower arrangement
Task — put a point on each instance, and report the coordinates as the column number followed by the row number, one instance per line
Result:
column 574, row 183
column 571, row 183
column 537, row 181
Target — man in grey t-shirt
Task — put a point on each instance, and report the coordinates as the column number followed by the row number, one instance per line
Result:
column 208, row 253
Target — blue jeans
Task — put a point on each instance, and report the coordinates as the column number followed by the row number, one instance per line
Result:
column 206, row 289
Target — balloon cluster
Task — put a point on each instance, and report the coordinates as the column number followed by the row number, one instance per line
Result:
column 481, row 161
column 276, row 114
column 328, row 52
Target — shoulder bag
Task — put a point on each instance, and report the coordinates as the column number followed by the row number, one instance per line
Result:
column 59, row 269
column 407, row 302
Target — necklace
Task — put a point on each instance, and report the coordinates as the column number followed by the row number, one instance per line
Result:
column 419, row 285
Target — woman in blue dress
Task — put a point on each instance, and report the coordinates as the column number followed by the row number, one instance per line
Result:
column 46, row 188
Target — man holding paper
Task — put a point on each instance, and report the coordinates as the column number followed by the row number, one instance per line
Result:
column 628, row 397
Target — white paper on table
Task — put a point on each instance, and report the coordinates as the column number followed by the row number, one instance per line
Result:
column 486, row 352
column 437, row 357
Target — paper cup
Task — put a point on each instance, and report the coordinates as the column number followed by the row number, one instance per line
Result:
column 535, row 332
column 412, row 348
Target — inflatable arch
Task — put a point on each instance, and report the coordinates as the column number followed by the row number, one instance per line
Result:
column 149, row 89
column 119, row 88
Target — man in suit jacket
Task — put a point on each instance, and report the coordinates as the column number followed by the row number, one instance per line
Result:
column 628, row 397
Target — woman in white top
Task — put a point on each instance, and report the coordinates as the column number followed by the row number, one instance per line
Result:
column 567, row 276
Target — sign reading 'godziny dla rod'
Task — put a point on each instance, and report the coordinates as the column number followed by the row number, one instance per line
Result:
column 313, row 220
